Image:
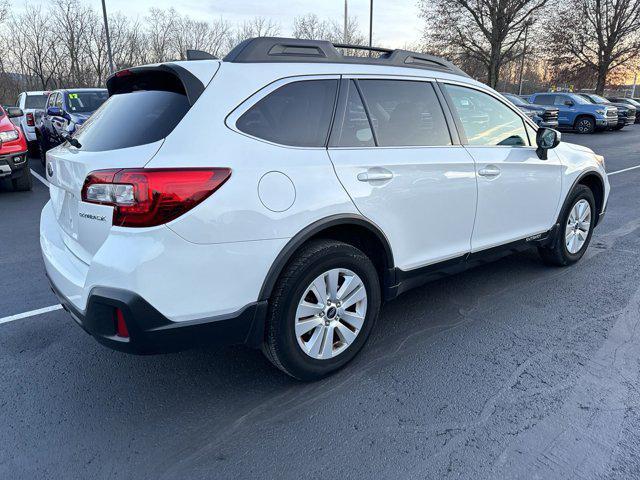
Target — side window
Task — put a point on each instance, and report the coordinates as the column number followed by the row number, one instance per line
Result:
column 59, row 100
column 405, row 113
column 18, row 101
column 560, row 99
column 51, row 100
column 351, row 127
column 297, row 114
column 544, row 99
column 487, row 121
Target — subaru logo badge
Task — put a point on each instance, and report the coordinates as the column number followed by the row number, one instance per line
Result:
column 49, row 169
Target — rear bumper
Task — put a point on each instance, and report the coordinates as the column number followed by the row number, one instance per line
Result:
column 150, row 332
column 173, row 294
column 13, row 165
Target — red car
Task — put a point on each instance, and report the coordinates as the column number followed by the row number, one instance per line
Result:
column 14, row 161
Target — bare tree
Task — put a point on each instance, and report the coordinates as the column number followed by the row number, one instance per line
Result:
column 73, row 26
column 33, row 51
column 256, row 27
column 310, row 26
column 489, row 32
column 597, row 35
column 159, row 34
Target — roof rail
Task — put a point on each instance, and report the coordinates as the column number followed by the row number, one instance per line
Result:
column 292, row 50
column 200, row 55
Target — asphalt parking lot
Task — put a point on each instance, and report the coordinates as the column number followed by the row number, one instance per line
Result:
column 510, row 370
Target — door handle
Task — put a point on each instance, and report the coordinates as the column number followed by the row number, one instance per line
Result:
column 490, row 171
column 375, row 175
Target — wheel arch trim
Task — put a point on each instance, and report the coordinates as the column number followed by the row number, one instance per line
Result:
column 579, row 179
column 313, row 230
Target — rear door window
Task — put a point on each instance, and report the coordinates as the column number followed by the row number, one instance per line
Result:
column 351, row 127
column 405, row 113
column 132, row 119
column 297, row 114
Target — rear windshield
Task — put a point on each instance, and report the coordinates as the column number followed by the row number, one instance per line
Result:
column 35, row 101
column 85, row 102
column 132, row 119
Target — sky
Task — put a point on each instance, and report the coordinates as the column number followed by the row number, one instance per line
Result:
column 395, row 23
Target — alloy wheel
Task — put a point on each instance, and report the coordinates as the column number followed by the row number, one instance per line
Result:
column 331, row 313
column 578, row 226
column 584, row 126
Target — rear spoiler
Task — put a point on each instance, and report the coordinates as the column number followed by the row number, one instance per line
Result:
column 166, row 76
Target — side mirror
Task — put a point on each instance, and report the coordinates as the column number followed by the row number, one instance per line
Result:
column 546, row 138
column 54, row 111
column 569, row 103
column 14, row 112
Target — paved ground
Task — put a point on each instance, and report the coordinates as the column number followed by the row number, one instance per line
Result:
column 511, row 370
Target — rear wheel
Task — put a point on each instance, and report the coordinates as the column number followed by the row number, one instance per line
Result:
column 576, row 227
column 42, row 151
column 585, row 125
column 322, row 311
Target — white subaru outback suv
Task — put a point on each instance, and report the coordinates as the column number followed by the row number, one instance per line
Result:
column 279, row 196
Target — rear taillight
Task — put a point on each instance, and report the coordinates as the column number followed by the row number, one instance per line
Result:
column 149, row 197
column 30, row 120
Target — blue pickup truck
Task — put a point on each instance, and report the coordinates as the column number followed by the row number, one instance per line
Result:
column 578, row 113
column 66, row 110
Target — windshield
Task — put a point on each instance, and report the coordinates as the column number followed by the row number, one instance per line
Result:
column 592, row 98
column 35, row 101
column 516, row 100
column 85, row 102
column 579, row 99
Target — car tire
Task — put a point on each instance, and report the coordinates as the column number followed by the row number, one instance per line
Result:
column 618, row 127
column 33, row 148
column 294, row 306
column 572, row 238
column 24, row 182
column 42, row 151
column 585, row 125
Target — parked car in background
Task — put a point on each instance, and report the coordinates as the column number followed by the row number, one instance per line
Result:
column 14, row 160
column 65, row 111
column 32, row 104
column 324, row 184
column 577, row 112
column 628, row 101
column 626, row 113
column 544, row 116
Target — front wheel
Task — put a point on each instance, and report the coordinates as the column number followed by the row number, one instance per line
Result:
column 576, row 227
column 585, row 125
column 322, row 311
column 618, row 127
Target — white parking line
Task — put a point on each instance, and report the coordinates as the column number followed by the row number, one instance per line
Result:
column 37, row 175
column 623, row 170
column 32, row 313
